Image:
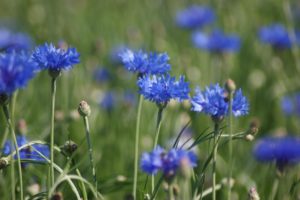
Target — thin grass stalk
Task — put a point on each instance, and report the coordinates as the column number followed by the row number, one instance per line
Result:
column 274, row 189
column 215, row 151
column 230, row 146
column 53, row 93
column 136, row 150
column 88, row 139
column 12, row 131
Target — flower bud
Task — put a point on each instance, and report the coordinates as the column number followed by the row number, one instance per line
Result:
column 84, row 109
column 249, row 137
column 3, row 163
column 22, row 127
column 70, row 147
column 57, row 196
column 230, row 86
column 252, row 194
column 54, row 73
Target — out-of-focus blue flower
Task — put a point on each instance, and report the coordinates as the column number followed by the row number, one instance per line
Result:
column 145, row 63
column 167, row 162
column 16, row 69
column 108, row 101
column 115, row 54
column 28, row 153
column 277, row 36
column 287, row 105
column 101, row 75
column 129, row 98
column 49, row 57
column 216, row 41
column 161, row 89
column 195, row 16
column 212, row 101
column 10, row 41
column 283, row 150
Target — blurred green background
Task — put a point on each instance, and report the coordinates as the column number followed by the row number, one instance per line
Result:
column 95, row 27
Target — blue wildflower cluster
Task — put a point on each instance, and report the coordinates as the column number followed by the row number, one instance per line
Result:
column 145, row 63
column 16, row 69
column 161, row 89
column 290, row 105
column 216, row 41
column 168, row 162
column 11, row 41
column 49, row 57
column 195, row 16
column 277, row 36
column 33, row 152
column 213, row 101
column 282, row 150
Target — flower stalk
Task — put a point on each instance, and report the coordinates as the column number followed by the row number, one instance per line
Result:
column 53, row 94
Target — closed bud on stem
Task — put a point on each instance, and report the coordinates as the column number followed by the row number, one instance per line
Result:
column 57, row 196
column 3, row 163
column 84, row 109
column 22, row 127
column 230, row 86
column 54, row 73
column 252, row 194
column 70, row 147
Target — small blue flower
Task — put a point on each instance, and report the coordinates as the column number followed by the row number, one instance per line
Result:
column 287, row 105
column 161, row 89
column 167, row 162
column 283, row 150
column 129, row 98
column 16, row 69
column 216, row 41
column 101, row 75
column 10, row 41
column 145, row 63
column 195, row 16
column 49, row 57
column 108, row 101
column 212, row 101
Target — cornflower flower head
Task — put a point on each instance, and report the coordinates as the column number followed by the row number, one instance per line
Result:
column 49, row 57
column 10, row 41
column 145, row 63
column 277, row 36
column 281, row 150
column 16, row 69
column 195, row 16
column 213, row 101
column 168, row 162
column 29, row 153
column 161, row 89
column 216, row 41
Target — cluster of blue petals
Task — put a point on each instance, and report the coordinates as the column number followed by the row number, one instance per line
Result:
column 32, row 152
column 283, row 150
column 11, row 41
column 216, row 41
column 161, row 89
column 145, row 63
column 195, row 16
column 212, row 101
column 16, row 69
column 277, row 36
column 290, row 105
column 167, row 162
column 49, row 57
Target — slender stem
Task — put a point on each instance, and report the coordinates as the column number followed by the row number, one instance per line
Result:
column 136, row 150
column 53, row 93
column 12, row 131
column 208, row 191
column 274, row 189
column 215, row 150
column 158, row 125
column 88, row 139
column 230, row 146
column 171, row 193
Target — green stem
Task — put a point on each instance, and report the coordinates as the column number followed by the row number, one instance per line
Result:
column 230, row 146
column 53, row 93
column 274, row 189
column 171, row 193
column 215, row 150
column 158, row 125
column 12, row 131
column 88, row 139
column 136, row 150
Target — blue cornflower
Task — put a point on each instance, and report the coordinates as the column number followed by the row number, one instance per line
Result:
column 28, row 153
column 283, row 150
column 101, row 75
column 10, row 41
column 216, row 41
column 129, row 98
column 212, row 101
column 49, row 57
column 108, row 101
column 145, row 63
column 167, row 162
column 161, row 89
column 16, row 69
column 195, row 16
column 276, row 35
column 288, row 105
column 115, row 54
